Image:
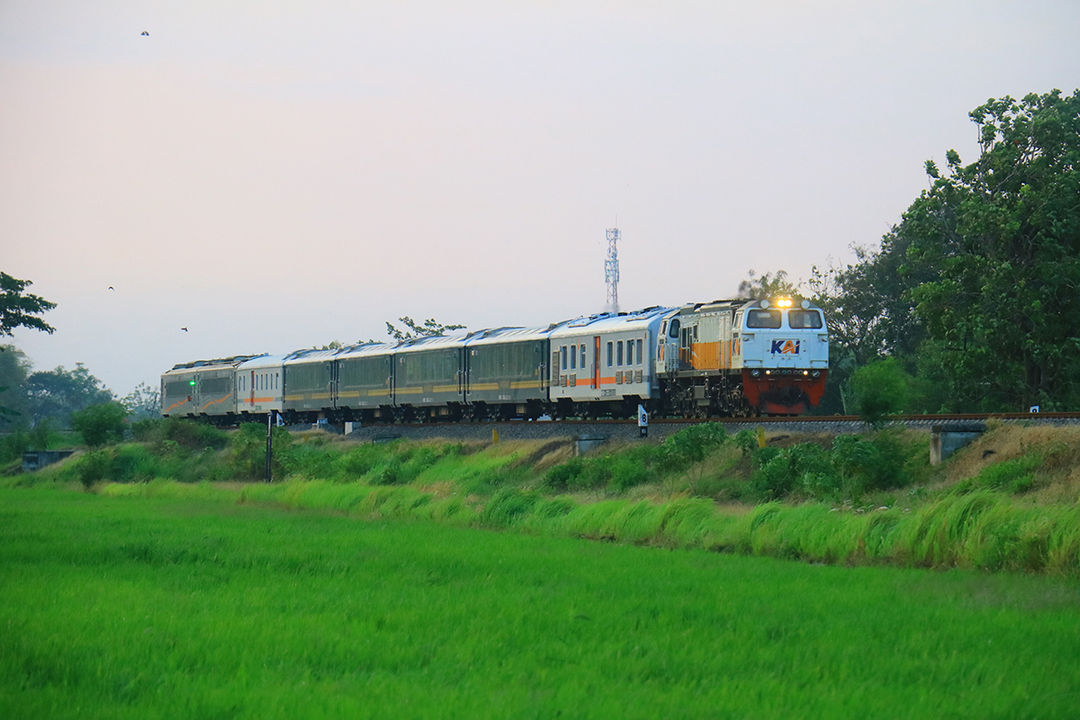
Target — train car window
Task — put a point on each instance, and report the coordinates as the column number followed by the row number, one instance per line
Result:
column 765, row 319
column 610, row 347
column 573, row 359
column 640, row 356
column 618, row 353
column 562, row 354
column 673, row 329
column 804, row 319
column 583, row 355
column 629, row 352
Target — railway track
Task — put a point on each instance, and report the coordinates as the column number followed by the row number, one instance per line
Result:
column 662, row 427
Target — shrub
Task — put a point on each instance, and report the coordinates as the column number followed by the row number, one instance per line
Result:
column 1015, row 475
column 93, row 467
column 100, row 424
column 881, row 388
column 247, row 452
column 806, row 465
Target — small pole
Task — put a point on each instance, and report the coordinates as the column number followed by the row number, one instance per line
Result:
column 269, row 443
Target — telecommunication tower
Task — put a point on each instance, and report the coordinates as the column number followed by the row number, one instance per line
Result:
column 611, row 270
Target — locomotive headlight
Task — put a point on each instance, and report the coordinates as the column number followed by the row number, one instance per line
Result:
column 755, row 373
column 768, row 372
column 816, row 373
column 783, row 302
column 805, row 372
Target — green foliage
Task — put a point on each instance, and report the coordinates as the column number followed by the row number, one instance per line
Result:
column 413, row 329
column 56, row 394
column 100, row 424
column 93, row 467
column 852, row 467
column 975, row 289
column 1016, row 475
column 881, row 388
column 247, row 452
column 144, row 402
column 19, row 308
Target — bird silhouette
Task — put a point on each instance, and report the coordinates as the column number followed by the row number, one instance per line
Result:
column 111, row 287
column 184, row 329
column 145, row 33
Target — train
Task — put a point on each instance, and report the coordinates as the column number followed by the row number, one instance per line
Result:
column 739, row 357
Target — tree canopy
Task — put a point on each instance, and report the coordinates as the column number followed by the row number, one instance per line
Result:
column 413, row 329
column 977, row 289
column 19, row 308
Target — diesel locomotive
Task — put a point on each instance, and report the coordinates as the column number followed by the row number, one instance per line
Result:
column 721, row 358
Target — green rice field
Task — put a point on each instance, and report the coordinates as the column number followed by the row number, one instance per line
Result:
column 154, row 606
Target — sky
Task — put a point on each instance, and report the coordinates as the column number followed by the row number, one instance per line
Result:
column 279, row 175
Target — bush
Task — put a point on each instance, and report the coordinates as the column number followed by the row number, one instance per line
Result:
column 807, row 466
column 93, row 467
column 247, row 452
column 881, row 388
column 1015, row 476
column 100, row 424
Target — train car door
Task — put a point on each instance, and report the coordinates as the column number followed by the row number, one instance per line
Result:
column 596, row 363
column 332, row 370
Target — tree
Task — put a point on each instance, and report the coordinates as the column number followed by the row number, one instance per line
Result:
column 18, row 308
column 100, row 424
column 58, row 393
column 412, row 330
column 1002, row 236
column 977, row 289
column 14, row 368
column 144, row 402
column 767, row 285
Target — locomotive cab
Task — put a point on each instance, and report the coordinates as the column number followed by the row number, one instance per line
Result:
column 783, row 350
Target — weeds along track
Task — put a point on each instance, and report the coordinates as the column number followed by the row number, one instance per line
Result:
column 662, row 428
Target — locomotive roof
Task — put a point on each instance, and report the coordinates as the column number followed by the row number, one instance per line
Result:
column 308, row 355
column 216, row 363
column 432, row 342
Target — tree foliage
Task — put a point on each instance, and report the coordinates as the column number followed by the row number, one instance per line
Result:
column 767, row 285
column 58, row 393
column 412, row 329
column 100, row 424
column 19, row 308
column 977, row 289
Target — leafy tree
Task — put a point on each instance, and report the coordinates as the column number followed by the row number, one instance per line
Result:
column 100, row 424
column 14, row 368
column 881, row 388
column 143, row 403
column 1003, row 234
column 412, row 330
column 19, row 308
column 977, row 289
column 58, row 393
column 767, row 285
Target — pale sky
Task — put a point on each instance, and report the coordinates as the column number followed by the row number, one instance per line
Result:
column 277, row 175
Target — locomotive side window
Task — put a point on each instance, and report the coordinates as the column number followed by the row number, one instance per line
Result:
column 804, row 319
column 673, row 330
column 766, row 319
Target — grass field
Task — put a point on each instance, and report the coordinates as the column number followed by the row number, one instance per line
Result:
column 143, row 607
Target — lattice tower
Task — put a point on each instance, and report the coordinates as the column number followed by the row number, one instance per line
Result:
column 611, row 270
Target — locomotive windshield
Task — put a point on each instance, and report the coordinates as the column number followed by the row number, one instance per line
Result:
column 768, row 319
column 798, row 319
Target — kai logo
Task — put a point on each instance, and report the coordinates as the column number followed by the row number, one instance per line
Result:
column 785, row 347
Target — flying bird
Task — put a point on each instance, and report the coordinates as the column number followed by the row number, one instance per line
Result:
column 184, row 329
column 111, row 287
column 145, row 33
